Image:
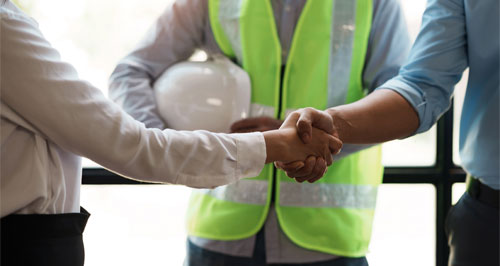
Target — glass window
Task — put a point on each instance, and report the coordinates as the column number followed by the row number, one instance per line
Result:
column 404, row 230
column 134, row 225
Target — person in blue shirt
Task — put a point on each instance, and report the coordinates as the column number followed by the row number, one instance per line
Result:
column 455, row 34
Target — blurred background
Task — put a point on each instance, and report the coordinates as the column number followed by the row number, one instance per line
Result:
column 144, row 224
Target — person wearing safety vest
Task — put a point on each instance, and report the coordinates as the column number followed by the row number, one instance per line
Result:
column 298, row 54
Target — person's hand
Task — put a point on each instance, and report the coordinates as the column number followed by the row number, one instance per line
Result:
column 253, row 124
column 285, row 145
column 310, row 170
column 305, row 119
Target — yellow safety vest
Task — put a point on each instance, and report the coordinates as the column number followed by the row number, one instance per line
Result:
column 323, row 69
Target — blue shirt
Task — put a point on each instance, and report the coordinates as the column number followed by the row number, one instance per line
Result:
column 457, row 34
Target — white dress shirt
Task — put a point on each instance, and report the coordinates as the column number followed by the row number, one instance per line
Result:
column 49, row 118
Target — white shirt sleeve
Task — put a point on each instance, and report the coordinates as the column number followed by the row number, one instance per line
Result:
column 77, row 117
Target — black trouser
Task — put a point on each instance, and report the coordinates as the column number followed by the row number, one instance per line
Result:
column 197, row 256
column 43, row 239
column 472, row 227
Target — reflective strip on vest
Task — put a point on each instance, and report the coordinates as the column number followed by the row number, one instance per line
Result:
column 243, row 191
column 257, row 110
column 229, row 15
column 327, row 195
column 343, row 26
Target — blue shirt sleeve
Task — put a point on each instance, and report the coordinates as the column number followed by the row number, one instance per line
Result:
column 436, row 62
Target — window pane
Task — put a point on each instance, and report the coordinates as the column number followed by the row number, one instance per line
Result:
column 457, row 111
column 457, row 190
column 134, row 225
column 144, row 225
column 405, row 226
column 419, row 150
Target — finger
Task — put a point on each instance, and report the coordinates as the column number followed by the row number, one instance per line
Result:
column 263, row 128
column 291, row 120
column 312, row 180
column 245, row 130
column 280, row 165
column 310, row 117
column 329, row 158
column 327, row 152
column 323, row 121
column 289, row 167
column 268, row 121
column 305, row 172
column 243, row 124
column 304, row 126
column 334, row 144
column 255, row 124
column 318, row 171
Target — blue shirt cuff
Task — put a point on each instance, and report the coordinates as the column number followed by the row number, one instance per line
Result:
column 415, row 97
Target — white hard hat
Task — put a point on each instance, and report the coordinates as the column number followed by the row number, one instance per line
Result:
column 208, row 95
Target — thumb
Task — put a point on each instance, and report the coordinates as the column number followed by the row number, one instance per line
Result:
column 324, row 121
column 309, row 118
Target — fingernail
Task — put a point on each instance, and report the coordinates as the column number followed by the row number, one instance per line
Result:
column 300, row 165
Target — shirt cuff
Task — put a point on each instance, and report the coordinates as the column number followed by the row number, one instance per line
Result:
column 251, row 154
column 415, row 97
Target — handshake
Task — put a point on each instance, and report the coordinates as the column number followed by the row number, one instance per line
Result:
column 303, row 146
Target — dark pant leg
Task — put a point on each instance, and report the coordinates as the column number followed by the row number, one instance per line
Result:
column 344, row 262
column 197, row 256
column 473, row 233
column 334, row 262
column 43, row 240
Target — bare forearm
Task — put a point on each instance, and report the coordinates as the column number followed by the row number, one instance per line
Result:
column 274, row 145
column 381, row 116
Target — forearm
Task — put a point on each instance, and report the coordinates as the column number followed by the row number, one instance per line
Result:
column 381, row 116
column 131, row 89
column 59, row 107
column 173, row 38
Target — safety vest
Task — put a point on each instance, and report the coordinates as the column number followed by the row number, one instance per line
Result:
column 323, row 69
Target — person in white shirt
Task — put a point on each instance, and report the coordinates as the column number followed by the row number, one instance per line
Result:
column 50, row 118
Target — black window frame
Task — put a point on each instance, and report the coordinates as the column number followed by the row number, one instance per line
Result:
column 443, row 174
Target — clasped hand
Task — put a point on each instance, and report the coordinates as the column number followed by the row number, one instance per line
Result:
column 307, row 121
column 303, row 146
